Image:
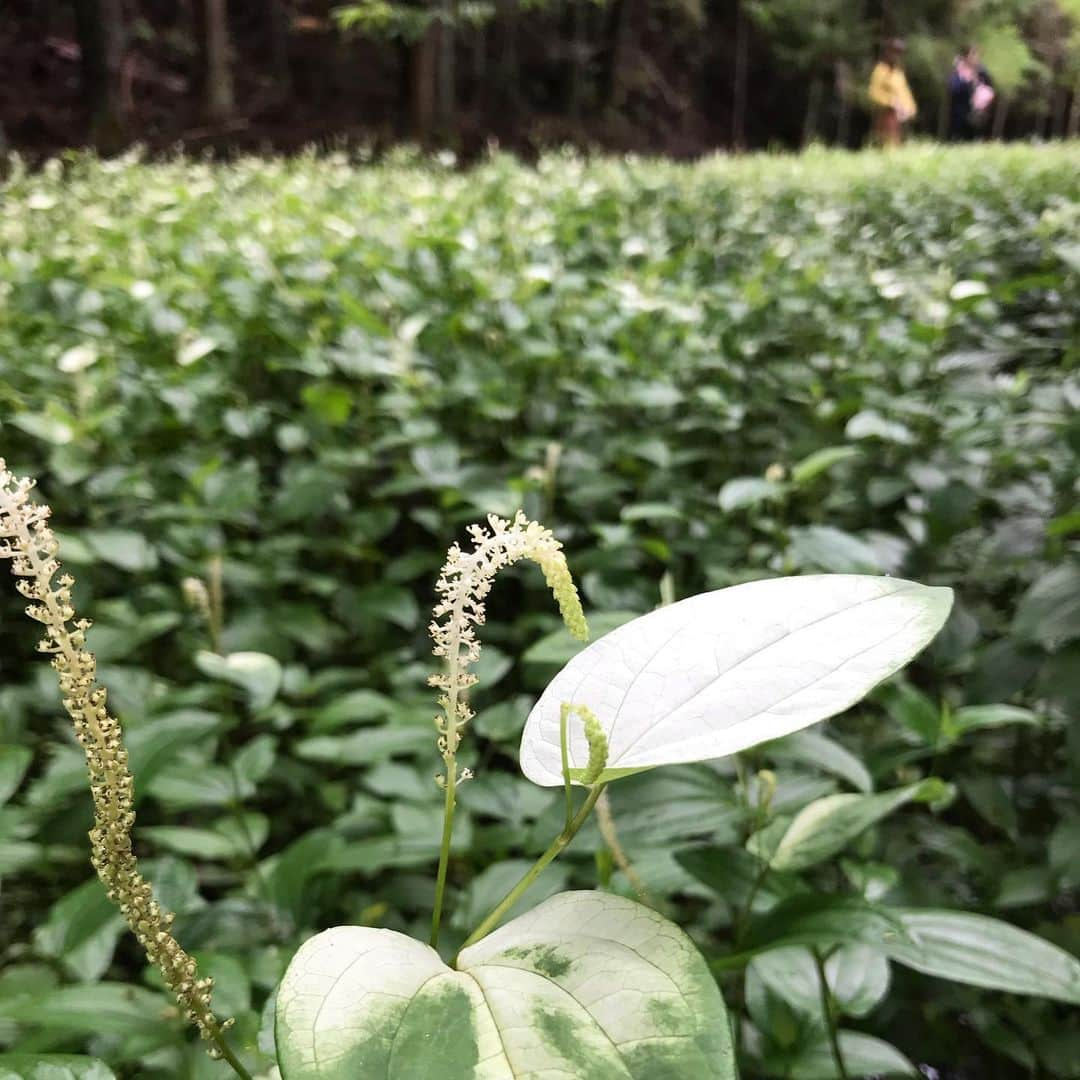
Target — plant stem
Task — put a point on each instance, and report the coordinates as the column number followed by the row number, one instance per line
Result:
column 741, row 922
column 229, row 1056
column 557, row 847
column 444, row 850
column 828, row 1009
column 564, row 716
column 606, row 822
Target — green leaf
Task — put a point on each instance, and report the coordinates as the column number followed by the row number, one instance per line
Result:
column 496, row 880
column 14, row 761
column 863, row 1055
column 558, row 648
column 81, row 931
column 981, row 951
column 821, row 547
column 1049, row 612
column 365, row 747
column 975, row 717
column 792, row 976
column 331, row 404
column 820, row 461
column 355, row 707
column 858, row 976
column 99, row 1009
column 253, row 763
column 287, row 880
column 150, row 747
column 122, row 548
column 828, row 825
column 813, row 748
column 584, row 985
column 256, row 673
column 237, row 837
column 990, row 797
column 821, row 920
column 734, row 875
column 53, row 1067
column 55, row 429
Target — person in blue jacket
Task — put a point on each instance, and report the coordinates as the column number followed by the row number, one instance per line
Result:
column 970, row 95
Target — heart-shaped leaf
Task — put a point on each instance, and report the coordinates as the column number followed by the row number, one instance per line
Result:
column 586, row 984
column 725, row 670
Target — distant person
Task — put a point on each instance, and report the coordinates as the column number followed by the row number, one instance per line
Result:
column 890, row 95
column 971, row 93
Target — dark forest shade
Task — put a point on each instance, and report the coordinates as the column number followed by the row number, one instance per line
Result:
column 631, row 74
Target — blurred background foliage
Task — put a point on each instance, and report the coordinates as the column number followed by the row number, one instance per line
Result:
column 263, row 398
column 669, row 76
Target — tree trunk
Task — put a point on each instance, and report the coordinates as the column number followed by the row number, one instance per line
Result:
column 446, row 97
column 215, row 74
column 1000, row 113
column 1046, row 119
column 741, row 68
column 507, row 76
column 578, row 55
column 844, row 93
column 626, row 19
column 813, row 108
column 276, row 44
column 100, row 29
column 1061, row 102
column 943, row 118
column 1072, row 124
column 422, row 85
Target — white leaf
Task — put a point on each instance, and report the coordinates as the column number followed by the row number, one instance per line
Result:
column 965, row 290
column 77, row 358
column 586, row 984
column 726, row 670
column 257, row 673
column 195, row 349
column 746, row 491
column 870, row 424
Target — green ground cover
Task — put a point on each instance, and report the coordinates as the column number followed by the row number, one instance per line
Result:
column 287, row 386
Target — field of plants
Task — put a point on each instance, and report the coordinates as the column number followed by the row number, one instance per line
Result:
column 263, row 398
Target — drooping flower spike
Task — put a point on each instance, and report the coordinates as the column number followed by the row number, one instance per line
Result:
column 463, row 586
column 27, row 540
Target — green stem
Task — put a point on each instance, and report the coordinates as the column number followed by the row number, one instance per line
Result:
column 557, row 847
column 564, row 716
column 444, row 850
column 229, row 1056
column 742, row 918
column 828, row 1009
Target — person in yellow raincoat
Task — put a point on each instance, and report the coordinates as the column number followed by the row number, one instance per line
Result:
column 890, row 95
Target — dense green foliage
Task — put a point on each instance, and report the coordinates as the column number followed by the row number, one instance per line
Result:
column 300, row 380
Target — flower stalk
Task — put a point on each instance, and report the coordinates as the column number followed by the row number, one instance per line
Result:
column 27, row 540
column 463, row 586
